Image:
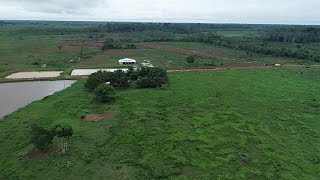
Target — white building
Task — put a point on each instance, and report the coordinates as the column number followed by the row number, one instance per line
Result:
column 127, row 61
column 88, row 72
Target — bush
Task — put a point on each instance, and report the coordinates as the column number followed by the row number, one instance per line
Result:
column 104, row 93
column 41, row 137
column 190, row 59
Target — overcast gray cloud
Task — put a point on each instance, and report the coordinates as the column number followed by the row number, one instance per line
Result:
column 214, row 11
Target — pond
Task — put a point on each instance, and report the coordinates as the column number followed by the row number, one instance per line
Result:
column 14, row 96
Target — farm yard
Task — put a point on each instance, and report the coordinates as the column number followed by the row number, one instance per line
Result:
column 226, row 110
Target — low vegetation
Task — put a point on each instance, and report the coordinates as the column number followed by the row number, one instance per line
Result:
column 234, row 124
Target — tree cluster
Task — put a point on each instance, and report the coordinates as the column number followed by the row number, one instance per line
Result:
column 145, row 77
column 113, row 44
column 260, row 46
column 295, row 34
column 116, row 79
column 150, row 77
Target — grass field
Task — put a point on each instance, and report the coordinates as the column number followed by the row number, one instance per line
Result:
column 229, row 57
column 234, row 124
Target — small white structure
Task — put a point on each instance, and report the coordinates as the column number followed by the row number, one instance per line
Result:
column 127, row 61
column 277, row 65
column 147, row 65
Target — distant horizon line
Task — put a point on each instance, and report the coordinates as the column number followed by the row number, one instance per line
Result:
column 170, row 22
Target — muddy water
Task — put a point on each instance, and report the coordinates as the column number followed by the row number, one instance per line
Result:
column 17, row 95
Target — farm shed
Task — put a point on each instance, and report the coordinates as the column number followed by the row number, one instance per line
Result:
column 127, row 61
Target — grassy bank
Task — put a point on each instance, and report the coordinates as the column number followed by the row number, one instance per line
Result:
column 235, row 124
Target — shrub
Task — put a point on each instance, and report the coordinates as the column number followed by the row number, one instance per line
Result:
column 104, row 93
column 41, row 137
column 190, row 59
column 63, row 132
column 36, row 63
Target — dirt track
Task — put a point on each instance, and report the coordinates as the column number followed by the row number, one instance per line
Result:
column 222, row 68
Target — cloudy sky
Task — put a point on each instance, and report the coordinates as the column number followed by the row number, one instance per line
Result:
column 211, row 11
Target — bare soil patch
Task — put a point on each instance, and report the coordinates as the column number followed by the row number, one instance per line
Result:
column 122, row 52
column 198, row 53
column 84, row 43
column 98, row 117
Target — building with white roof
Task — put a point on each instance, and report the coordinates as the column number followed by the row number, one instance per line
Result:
column 127, row 61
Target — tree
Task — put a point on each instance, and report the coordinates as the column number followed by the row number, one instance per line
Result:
column 104, row 93
column 110, row 44
column 82, row 48
column 118, row 78
column 59, row 47
column 190, row 59
column 150, row 82
column 63, row 132
column 151, row 77
column 95, row 80
column 41, row 137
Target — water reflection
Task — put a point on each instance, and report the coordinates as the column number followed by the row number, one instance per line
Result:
column 17, row 95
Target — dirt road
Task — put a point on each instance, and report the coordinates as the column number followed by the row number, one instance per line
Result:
column 222, row 68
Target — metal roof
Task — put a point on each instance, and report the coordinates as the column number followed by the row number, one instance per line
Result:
column 127, row 60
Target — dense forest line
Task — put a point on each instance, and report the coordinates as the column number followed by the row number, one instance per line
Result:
column 294, row 35
column 118, row 27
column 264, row 46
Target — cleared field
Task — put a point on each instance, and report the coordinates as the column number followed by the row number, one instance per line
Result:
column 233, row 124
column 34, row 75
